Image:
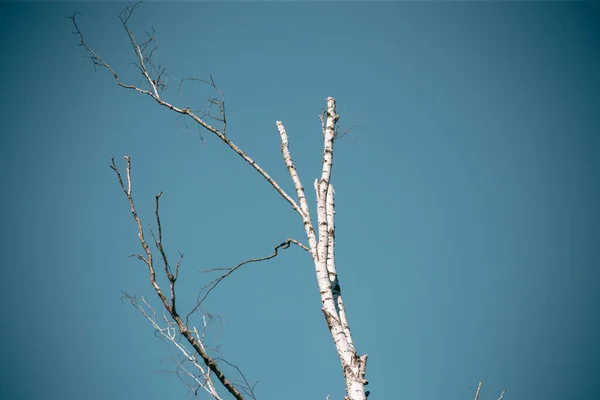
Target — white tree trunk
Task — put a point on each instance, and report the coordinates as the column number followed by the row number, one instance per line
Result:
column 322, row 250
column 320, row 246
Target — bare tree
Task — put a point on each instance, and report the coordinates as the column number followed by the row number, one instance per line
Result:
column 201, row 370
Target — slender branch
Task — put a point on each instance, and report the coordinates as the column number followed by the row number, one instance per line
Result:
column 124, row 17
column 97, row 60
column 168, row 333
column 186, row 111
column 478, row 390
column 246, row 387
column 218, row 102
column 304, row 209
column 502, row 395
column 183, row 328
column 212, row 285
column 159, row 245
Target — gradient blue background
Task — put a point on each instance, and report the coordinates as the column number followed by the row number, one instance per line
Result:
column 467, row 225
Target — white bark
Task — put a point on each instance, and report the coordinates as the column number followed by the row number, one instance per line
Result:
column 479, row 390
column 322, row 250
column 321, row 246
column 321, row 241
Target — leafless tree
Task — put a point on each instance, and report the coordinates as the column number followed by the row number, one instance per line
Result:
column 199, row 367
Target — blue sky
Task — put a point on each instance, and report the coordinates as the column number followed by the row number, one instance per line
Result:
column 467, row 199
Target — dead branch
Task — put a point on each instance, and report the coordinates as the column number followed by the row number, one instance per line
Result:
column 218, row 102
column 153, row 92
column 246, row 387
column 159, row 245
column 195, row 342
column 304, row 209
column 340, row 133
column 206, row 289
column 169, row 333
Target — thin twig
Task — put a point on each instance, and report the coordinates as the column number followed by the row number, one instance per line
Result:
column 249, row 389
column 168, row 333
column 212, row 285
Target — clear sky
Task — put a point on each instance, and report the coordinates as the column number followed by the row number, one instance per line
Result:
column 467, row 199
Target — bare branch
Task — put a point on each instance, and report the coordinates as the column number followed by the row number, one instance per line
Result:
column 168, row 333
column 142, row 65
column 502, row 395
column 218, row 102
column 337, row 133
column 212, row 285
column 159, row 245
column 169, row 306
column 246, row 387
column 304, row 210
column 139, row 50
column 340, row 134
column 297, row 243
column 97, row 60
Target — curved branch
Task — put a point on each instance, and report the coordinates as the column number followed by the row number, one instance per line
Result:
column 212, row 285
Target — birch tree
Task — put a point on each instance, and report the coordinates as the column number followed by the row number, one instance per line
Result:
column 202, row 370
column 206, row 370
